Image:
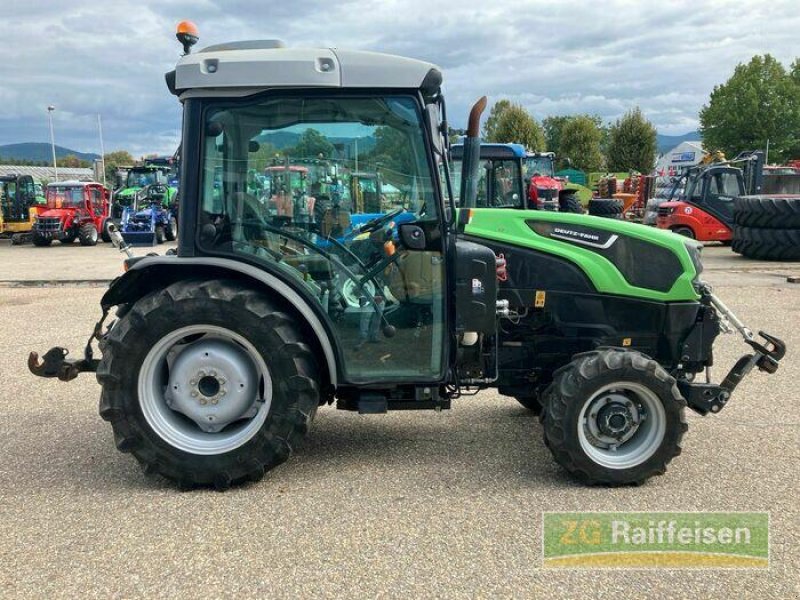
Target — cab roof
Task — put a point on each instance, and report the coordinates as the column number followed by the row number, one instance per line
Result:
column 242, row 68
column 490, row 151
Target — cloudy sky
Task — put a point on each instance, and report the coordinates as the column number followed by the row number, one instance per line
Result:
column 553, row 56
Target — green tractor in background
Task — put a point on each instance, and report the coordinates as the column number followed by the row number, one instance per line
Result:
column 220, row 355
column 137, row 181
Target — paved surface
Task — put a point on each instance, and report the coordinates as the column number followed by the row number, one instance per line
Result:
column 406, row 504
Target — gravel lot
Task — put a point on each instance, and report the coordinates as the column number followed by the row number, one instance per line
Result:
column 423, row 504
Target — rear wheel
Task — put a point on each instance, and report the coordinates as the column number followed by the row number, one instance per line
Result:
column 87, row 234
column 570, row 203
column 171, row 230
column 39, row 240
column 614, row 417
column 532, row 403
column 684, row 231
column 207, row 383
column 105, row 234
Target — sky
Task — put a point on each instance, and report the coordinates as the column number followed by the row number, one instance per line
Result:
column 555, row 57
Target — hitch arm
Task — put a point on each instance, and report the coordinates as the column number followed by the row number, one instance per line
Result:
column 56, row 364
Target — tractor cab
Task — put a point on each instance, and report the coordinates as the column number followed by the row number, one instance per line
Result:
column 500, row 174
column 19, row 204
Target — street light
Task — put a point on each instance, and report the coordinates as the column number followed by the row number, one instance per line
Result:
column 50, row 110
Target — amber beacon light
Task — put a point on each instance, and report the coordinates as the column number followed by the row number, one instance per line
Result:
column 187, row 35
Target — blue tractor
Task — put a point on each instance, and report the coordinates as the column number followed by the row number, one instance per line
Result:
column 151, row 219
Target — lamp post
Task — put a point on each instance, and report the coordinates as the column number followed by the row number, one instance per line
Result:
column 50, row 110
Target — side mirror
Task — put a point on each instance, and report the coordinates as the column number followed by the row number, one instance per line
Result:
column 432, row 114
column 253, row 146
column 412, row 236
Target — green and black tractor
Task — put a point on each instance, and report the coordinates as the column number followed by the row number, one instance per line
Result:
column 220, row 354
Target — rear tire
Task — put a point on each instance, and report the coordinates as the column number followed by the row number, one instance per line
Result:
column 767, row 212
column 162, row 342
column 532, row 403
column 171, row 230
column 767, row 244
column 613, row 417
column 40, row 240
column 87, row 234
column 570, row 204
column 105, row 235
column 684, row 231
column 605, row 207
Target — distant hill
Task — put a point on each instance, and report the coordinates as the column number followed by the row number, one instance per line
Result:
column 668, row 142
column 39, row 151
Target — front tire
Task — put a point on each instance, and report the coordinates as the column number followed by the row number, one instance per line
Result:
column 159, row 234
column 39, row 240
column 171, row 230
column 684, row 231
column 614, row 417
column 570, row 203
column 207, row 383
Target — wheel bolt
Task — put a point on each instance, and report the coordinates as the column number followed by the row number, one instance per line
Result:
column 193, row 382
column 202, row 401
column 194, row 394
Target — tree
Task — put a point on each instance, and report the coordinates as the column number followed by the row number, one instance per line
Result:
column 490, row 127
column 115, row 160
column 580, row 140
column 70, row 161
column 760, row 102
column 312, row 144
column 515, row 125
column 632, row 143
column 553, row 126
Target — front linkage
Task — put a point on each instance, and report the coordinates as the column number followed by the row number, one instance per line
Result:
column 710, row 397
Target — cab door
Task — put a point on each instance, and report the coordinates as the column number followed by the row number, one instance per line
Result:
column 720, row 189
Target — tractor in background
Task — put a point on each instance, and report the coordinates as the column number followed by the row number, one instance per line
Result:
column 74, row 210
column 139, row 177
column 19, row 205
column 151, row 219
column 544, row 189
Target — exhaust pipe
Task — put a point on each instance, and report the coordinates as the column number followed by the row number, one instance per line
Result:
column 118, row 241
column 472, row 156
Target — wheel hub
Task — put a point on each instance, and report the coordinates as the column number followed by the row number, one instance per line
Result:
column 612, row 419
column 214, row 383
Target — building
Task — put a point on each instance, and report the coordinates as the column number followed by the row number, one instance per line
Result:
column 47, row 174
column 680, row 158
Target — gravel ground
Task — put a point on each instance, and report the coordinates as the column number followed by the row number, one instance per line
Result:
column 423, row 504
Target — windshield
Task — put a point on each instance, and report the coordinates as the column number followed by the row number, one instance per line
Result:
column 317, row 187
column 64, row 197
column 539, row 166
column 498, row 183
column 142, row 178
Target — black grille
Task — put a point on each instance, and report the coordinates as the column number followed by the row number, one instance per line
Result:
column 49, row 224
column 664, row 211
column 547, row 195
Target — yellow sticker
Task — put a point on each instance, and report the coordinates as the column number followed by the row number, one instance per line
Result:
column 540, row 299
column 626, row 341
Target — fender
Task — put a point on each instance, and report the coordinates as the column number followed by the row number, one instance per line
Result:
column 156, row 272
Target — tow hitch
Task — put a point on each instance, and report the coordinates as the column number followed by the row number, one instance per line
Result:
column 710, row 397
column 55, row 363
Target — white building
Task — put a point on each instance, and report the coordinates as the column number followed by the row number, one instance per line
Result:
column 681, row 157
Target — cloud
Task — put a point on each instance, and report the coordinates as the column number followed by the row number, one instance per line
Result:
column 90, row 58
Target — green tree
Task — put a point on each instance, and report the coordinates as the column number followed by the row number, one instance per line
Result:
column 580, row 140
column 391, row 155
column 632, row 143
column 760, row 102
column 261, row 158
column 115, row 160
column 553, row 126
column 515, row 125
column 312, row 144
column 490, row 126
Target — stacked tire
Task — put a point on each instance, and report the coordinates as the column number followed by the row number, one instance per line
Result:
column 767, row 227
column 605, row 207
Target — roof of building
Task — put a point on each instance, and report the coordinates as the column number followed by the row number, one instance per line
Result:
column 41, row 173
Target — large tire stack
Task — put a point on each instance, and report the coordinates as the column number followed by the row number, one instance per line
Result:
column 767, row 227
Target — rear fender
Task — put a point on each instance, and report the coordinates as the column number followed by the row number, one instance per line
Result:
column 154, row 273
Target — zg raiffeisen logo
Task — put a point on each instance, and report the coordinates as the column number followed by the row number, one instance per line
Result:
column 656, row 540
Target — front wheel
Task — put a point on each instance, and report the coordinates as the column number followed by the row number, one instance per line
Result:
column 684, row 231
column 171, row 230
column 614, row 417
column 207, row 383
column 160, row 234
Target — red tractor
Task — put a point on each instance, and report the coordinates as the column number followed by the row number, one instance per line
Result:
column 75, row 209
column 545, row 190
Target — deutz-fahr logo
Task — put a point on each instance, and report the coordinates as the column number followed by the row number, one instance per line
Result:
column 592, row 237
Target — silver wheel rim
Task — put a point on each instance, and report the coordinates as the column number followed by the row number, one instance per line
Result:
column 204, row 389
column 633, row 441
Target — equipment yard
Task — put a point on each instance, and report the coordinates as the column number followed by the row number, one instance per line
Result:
column 439, row 505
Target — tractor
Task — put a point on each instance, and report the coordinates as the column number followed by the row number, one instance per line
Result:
column 137, row 179
column 19, row 205
column 150, row 219
column 75, row 210
column 511, row 177
column 219, row 355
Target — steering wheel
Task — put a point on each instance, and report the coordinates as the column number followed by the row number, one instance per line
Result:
column 377, row 222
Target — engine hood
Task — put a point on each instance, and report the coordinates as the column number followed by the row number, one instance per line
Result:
column 543, row 182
